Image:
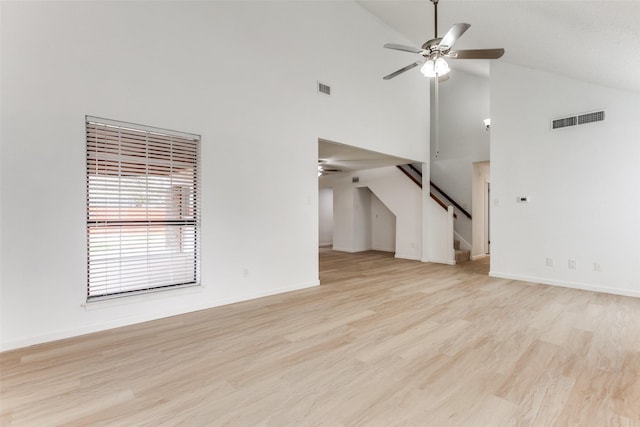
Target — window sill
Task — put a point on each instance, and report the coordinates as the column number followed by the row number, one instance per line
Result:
column 151, row 295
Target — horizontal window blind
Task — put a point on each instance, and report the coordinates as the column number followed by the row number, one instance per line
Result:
column 142, row 208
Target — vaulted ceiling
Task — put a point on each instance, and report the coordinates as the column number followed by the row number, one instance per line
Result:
column 592, row 41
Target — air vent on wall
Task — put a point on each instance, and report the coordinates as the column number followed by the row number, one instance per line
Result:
column 563, row 123
column 581, row 119
column 597, row 116
column 324, row 88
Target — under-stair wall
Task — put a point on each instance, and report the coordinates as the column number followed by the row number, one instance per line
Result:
column 395, row 191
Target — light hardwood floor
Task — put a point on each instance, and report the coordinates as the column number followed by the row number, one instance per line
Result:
column 382, row 342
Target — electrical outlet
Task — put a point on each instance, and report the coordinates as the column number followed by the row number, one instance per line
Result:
column 245, row 272
column 572, row 264
column 596, row 266
column 549, row 262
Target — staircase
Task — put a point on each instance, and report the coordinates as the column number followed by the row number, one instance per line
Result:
column 462, row 255
column 415, row 174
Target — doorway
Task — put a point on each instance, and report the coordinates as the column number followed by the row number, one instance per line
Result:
column 481, row 200
column 487, row 214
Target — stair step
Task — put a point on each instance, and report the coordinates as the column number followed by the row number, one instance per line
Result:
column 462, row 255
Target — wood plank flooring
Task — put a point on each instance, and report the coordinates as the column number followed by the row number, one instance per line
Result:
column 382, row 342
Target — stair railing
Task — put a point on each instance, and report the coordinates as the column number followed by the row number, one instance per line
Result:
column 439, row 190
column 419, row 183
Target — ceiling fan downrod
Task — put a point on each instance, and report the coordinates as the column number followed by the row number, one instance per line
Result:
column 435, row 18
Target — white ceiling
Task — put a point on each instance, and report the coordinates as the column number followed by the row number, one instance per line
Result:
column 347, row 158
column 592, row 41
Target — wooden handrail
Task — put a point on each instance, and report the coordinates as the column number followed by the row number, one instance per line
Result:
column 417, row 182
column 441, row 203
column 453, row 202
column 411, row 177
column 446, row 196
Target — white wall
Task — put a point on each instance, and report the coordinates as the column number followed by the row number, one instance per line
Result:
column 361, row 219
column 464, row 104
column 343, row 212
column 383, row 226
column 243, row 76
column 582, row 182
column 438, row 242
column 325, row 216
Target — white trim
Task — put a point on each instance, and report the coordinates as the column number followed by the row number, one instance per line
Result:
column 349, row 250
column 410, row 257
column 151, row 294
column 74, row 332
column 565, row 284
column 437, row 261
column 134, row 126
column 387, row 249
column 475, row 257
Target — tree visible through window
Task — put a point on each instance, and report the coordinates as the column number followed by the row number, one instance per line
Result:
column 142, row 208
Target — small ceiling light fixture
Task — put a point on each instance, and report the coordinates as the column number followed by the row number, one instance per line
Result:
column 435, row 67
column 487, row 124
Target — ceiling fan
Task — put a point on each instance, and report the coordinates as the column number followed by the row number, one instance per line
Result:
column 325, row 169
column 434, row 52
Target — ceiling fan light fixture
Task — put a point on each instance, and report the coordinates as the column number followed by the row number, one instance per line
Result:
column 442, row 67
column 435, row 67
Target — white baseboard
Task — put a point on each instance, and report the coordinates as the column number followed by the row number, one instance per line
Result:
column 325, row 244
column 475, row 257
column 439, row 261
column 132, row 320
column 565, row 284
column 339, row 249
column 411, row 257
column 384, row 249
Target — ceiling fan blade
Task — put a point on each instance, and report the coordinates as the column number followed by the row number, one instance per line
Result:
column 476, row 54
column 403, row 47
column 402, row 70
column 453, row 34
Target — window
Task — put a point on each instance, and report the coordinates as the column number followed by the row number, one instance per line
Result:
column 142, row 209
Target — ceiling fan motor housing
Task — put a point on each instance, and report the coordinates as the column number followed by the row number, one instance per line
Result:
column 431, row 47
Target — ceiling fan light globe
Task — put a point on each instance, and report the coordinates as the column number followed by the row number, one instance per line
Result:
column 441, row 67
column 429, row 69
column 437, row 67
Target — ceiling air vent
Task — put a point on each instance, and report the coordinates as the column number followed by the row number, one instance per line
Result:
column 596, row 116
column 323, row 88
column 580, row 119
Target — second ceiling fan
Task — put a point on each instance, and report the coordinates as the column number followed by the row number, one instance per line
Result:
column 434, row 51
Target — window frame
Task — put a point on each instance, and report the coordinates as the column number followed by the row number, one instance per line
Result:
column 166, row 212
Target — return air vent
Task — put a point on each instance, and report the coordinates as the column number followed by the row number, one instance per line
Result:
column 597, row 116
column 563, row 123
column 581, row 119
column 323, row 88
